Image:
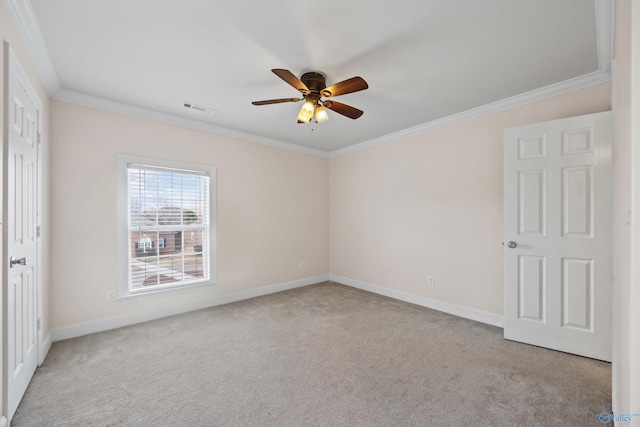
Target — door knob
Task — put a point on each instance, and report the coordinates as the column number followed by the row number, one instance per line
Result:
column 21, row 261
column 512, row 244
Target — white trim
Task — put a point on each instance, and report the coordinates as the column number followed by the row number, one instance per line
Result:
column 634, row 279
column 457, row 310
column 614, row 250
column 556, row 89
column 604, row 34
column 159, row 291
column 46, row 346
column 40, row 213
column 157, row 116
column 504, row 104
column 26, row 21
column 4, row 422
column 80, row 329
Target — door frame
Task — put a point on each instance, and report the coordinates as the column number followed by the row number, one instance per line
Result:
column 12, row 65
column 634, row 279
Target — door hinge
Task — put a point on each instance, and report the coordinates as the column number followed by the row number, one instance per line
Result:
column 39, row 138
column 39, row 323
column 38, row 231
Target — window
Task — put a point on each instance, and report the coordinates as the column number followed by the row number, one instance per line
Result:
column 166, row 225
column 145, row 243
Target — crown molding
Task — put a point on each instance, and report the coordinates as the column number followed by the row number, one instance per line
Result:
column 604, row 38
column 27, row 23
column 157, row 116
column 504, row 104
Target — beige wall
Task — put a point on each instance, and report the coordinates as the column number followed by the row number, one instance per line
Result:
column 272, row 210
column 431, row 205
column 418, row 207
column 9, row 33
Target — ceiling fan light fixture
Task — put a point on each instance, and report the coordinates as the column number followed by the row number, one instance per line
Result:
column 321, row 115
column 312, row 85
column 307, row 111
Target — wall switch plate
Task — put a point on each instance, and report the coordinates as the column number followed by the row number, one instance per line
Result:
column 300, row 265
column 112, row 295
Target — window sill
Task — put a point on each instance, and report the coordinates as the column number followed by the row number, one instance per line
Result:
column 158, row 292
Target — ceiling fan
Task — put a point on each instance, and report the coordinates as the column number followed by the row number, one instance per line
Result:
column 313, row 87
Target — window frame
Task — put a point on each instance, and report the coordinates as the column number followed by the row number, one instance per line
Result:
column 123, row 240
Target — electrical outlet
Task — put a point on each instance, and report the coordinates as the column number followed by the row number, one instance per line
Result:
column 431, row 281
column 112, row 295
column 300, row 265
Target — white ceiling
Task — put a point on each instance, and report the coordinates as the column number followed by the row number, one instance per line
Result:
column 424, row 60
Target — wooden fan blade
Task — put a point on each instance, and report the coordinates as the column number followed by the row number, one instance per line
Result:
column 344, row 109
column 275, row 101
column 354, row 84
column 288, row 77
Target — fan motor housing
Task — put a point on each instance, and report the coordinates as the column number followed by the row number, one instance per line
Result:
column 314, row 81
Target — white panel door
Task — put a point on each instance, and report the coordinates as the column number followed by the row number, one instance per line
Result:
column 557, row 219
column 21, row 195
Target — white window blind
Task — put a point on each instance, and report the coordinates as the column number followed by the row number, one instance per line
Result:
column 168, row 227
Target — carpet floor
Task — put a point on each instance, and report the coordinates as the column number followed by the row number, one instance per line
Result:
column 321, row 355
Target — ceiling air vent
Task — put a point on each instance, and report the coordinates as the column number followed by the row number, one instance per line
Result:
column 196, row 107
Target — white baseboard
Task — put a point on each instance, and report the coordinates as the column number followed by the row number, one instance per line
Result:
column 456, row 310
column 46, row 346
column 100, row 325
